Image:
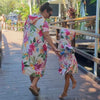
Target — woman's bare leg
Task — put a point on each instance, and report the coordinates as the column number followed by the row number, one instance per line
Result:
column 33, row 87
column 67, row 77
column 73, row 81
column 31, row 79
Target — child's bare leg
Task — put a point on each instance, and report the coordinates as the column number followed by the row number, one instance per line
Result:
column 31, row 78
column 73, row 81
column 67, row 77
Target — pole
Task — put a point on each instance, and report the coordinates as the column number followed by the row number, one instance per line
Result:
column 29, row 2
column 33, row 2
column 64, row 2
column 21, row 2
column 59, row 10
column 96, row 32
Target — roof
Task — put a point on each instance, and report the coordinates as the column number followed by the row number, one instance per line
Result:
column 56, row 1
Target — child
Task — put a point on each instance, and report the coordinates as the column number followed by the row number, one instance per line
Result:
column 67, row 60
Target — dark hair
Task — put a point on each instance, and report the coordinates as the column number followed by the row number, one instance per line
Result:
column 45, row 6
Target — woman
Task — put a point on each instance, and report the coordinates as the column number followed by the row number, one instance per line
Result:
column 34, row 49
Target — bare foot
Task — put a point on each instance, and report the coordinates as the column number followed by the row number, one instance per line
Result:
column 74, row 84
column 62, row 96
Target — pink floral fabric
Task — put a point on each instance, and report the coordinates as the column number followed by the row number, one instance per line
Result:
column 67, row 61
column 34, row 48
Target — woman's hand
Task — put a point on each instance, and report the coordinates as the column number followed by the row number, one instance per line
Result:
column 57, row 52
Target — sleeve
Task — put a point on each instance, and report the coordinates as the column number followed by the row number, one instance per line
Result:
column 36, row 21
column 72, row 36
column 45, row 27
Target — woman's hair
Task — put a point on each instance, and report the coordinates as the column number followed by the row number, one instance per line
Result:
column 45, row 6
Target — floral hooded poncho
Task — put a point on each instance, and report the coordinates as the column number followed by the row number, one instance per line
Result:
column 67, row 61
column 34, row 49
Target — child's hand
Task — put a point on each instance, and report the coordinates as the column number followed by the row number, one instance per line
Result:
column 57, row 52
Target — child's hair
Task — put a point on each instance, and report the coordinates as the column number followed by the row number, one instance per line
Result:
column 45, row 6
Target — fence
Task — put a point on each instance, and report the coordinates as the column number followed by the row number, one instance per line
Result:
column 87, row 22
column 68, row 23
column 19, row 25
column 14, row 25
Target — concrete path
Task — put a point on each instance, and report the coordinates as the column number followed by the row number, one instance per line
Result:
column 14, row 85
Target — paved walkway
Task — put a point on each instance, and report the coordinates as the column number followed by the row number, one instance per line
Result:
column 14, row 85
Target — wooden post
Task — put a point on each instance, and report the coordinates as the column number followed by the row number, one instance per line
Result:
column 96, row 32
column 99, row 33
column 57, row 36
column 10, row 26
column 73, row 42
column 66, row 26
column 17, row 25
column 5, row 25
column 13, row 25
column 55, row 20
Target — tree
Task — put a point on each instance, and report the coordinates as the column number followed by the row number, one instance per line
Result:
column 40, row 2
column 92, row 1
column 7, row 6
column 23, row 10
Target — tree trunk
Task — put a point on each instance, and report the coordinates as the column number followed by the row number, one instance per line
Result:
column 38, row 2
column 34, row 2
column 29, row 2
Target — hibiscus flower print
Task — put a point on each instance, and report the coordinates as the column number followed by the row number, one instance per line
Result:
column 37, row 66
column 32, row 46
column 30, row 51
column 32, row 17
column 62, row 46
column 44, row 47
column 67, row 32
column 60, row 70
column 40, row 33
column 22, row 66
column 25, row 38
column 46, row 24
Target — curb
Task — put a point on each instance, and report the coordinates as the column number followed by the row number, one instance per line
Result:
column 91, row 75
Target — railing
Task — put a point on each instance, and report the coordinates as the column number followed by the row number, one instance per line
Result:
column 71, row 23
column 75, row 19
column 78, row 32
column 68, row 23
column 15, row 25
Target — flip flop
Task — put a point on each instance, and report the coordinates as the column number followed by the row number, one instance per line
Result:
column 38, row 89
column 34, row 92
column 62, row 96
